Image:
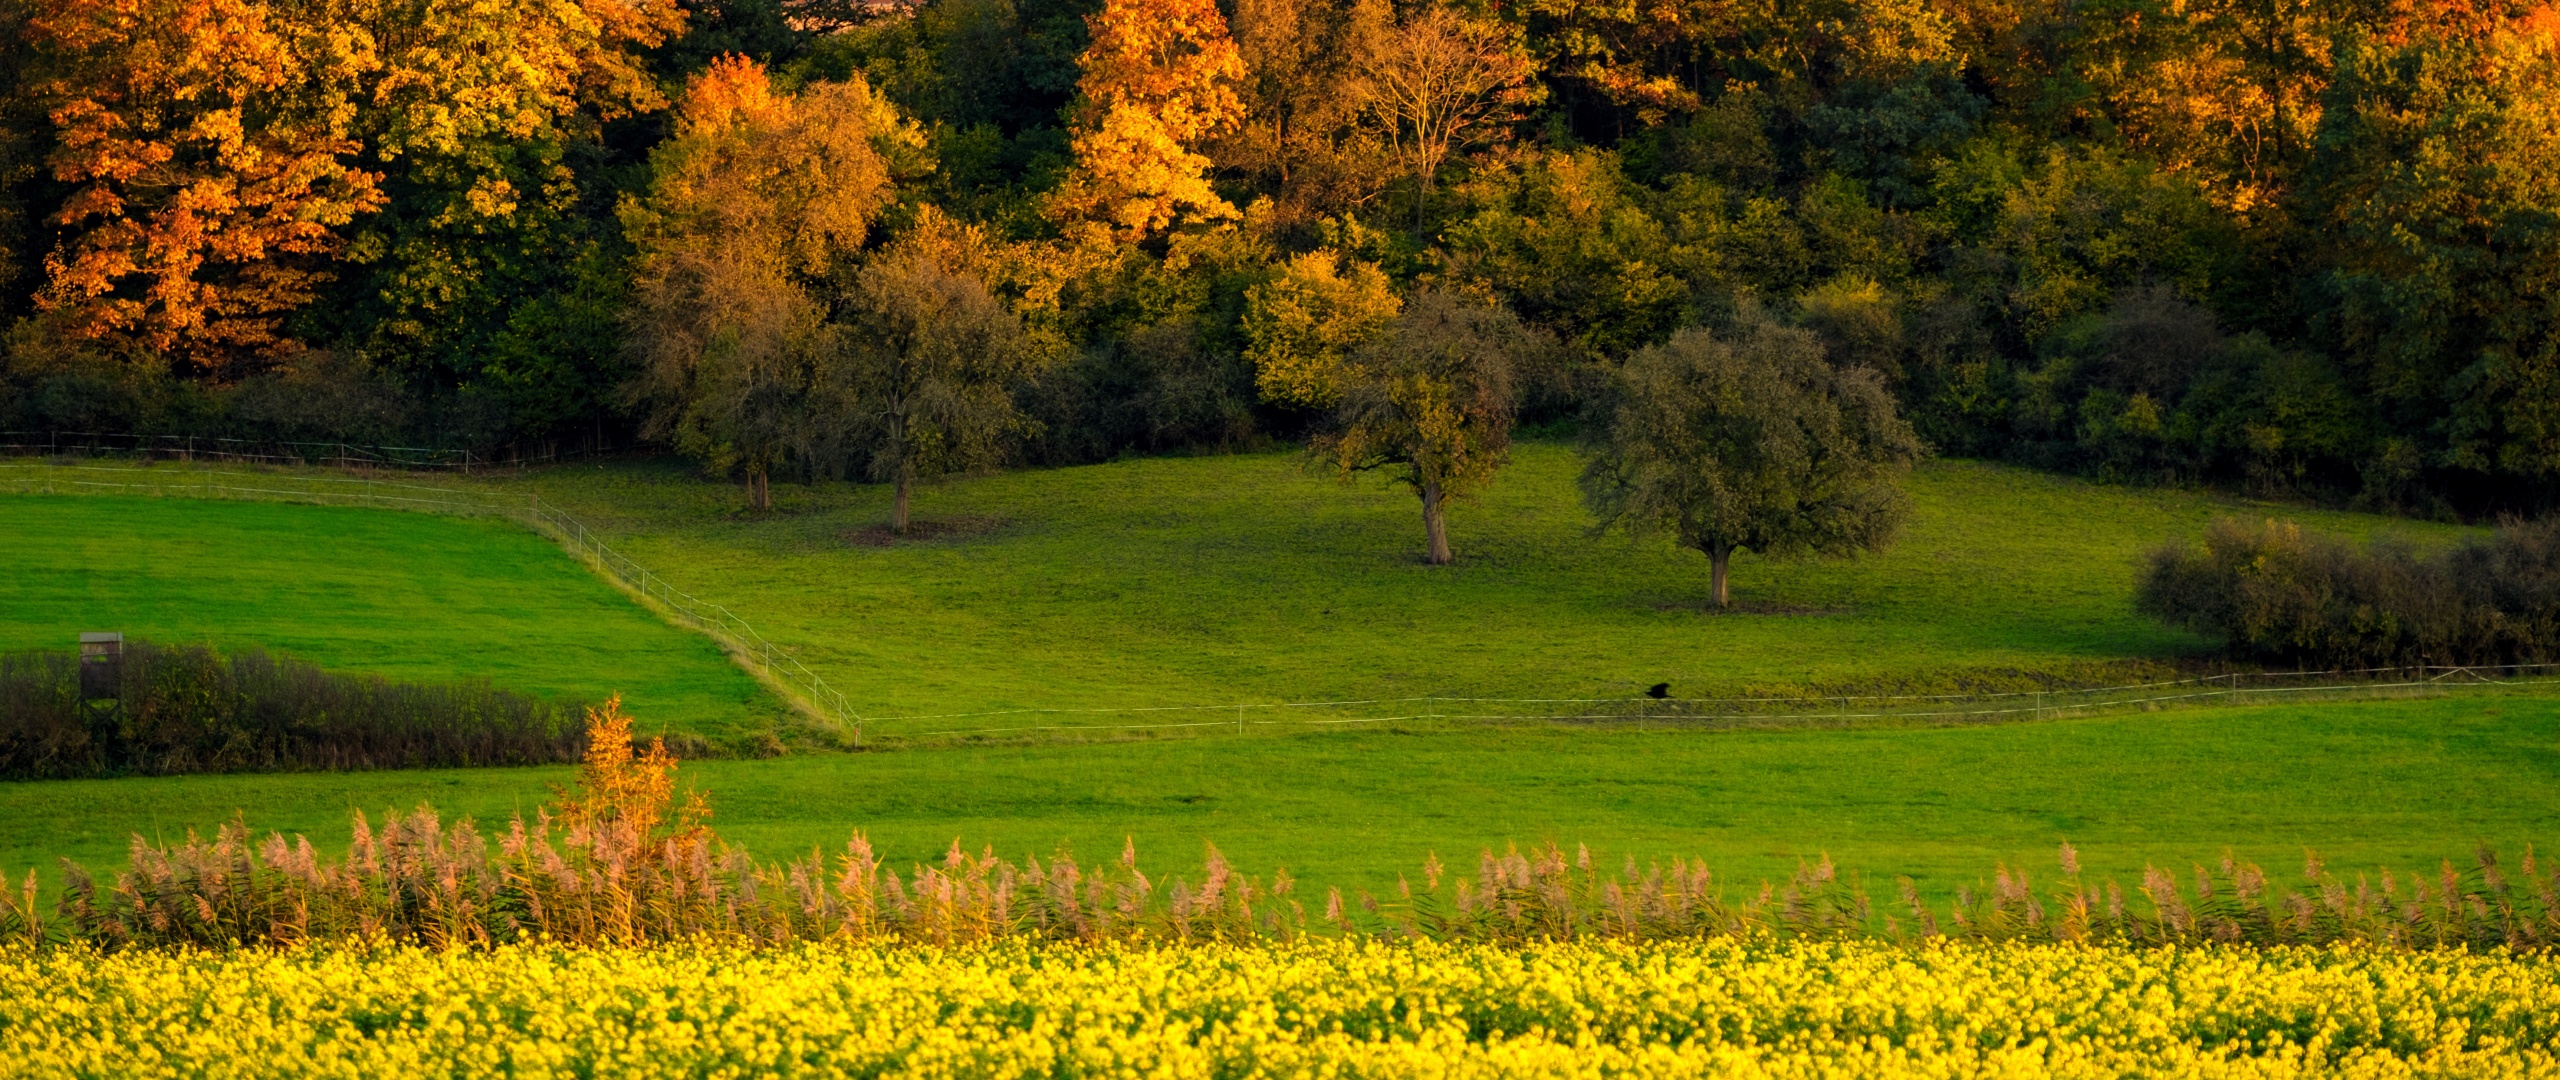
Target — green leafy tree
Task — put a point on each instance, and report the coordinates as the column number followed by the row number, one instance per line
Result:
column 1566, row 241
column 1429, row 402
column 1756, row 443
column 2436, row 185
column 924, row 356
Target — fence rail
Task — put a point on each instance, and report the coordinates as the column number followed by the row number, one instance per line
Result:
column 277, row 451
column 719, row 623
column 1758, row 711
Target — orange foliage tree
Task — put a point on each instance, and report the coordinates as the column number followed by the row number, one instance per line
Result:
column 619, row 788
column 218, row 147
column 756, row 199
column 1159, row 79
column 207, row 144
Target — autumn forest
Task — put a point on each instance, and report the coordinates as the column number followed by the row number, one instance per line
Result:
column 2308, row 248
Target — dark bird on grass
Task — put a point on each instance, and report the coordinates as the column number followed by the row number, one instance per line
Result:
column 1659, row 691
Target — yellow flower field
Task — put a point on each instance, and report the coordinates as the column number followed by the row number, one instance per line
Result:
column 1329, row 1008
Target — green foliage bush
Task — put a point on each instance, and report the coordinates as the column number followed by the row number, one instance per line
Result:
column 189, row 709
column 2272, row 592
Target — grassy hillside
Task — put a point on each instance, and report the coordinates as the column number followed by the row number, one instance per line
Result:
column 1138, row 584
column 2376, row 783
column 1211, row 580
column 403, row 595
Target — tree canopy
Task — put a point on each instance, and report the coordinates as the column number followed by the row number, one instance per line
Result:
column 2302, row 249
column 1752, row 442
column 1428, row 401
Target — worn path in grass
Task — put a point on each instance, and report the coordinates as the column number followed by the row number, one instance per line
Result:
column 1183, row 581
column 2398, row 783
column 404, row 595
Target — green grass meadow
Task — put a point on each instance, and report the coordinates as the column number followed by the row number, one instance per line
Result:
column 1216, row 580
column 2401, row 784
column 403, row 595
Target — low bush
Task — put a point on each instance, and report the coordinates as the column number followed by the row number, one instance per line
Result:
column 189, row 709
column 2272, row 592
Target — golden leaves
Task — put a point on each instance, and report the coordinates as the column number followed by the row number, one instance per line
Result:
column 1300, row 327
column 632, row 791
column 207, row 173
column 1159, row 77
column 214, row 144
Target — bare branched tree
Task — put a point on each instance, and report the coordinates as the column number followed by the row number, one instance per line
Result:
column 1303, row 132
column 1440, row 83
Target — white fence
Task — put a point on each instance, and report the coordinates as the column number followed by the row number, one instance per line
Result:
column 278, row 451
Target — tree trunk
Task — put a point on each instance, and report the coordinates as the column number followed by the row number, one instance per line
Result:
column 1435, row 524
column 759, row 491
column 898, row 508
column 1719, row 557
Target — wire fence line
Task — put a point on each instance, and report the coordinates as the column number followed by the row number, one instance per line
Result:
column 1780, row 710
column 734, row 633
column 277, row 451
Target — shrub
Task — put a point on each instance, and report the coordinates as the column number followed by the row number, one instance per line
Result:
column 2272, row 592
column 188, row 709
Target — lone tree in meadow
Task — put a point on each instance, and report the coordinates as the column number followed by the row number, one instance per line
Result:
column 923, row 356
column 1750, row 444
column 1428, row 400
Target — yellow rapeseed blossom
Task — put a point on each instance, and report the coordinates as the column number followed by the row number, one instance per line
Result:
column 1312, row 1008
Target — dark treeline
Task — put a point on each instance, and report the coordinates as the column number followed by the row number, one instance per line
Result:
column 188, row 709
column 2309, row 248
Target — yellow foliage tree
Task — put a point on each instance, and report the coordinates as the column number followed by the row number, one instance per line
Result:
column 756, row 198
column 1301, row 327
column 624, row 789
column 1159, row 79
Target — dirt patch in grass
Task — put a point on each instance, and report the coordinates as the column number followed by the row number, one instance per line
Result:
column 1748, row 607
column 925, row 530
